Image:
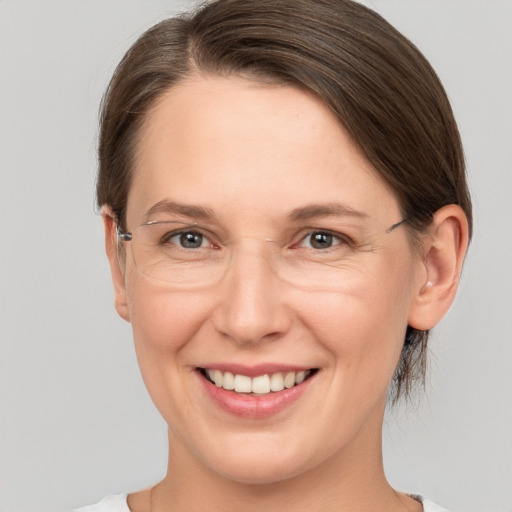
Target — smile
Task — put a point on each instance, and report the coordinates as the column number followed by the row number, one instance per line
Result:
column 258, row 385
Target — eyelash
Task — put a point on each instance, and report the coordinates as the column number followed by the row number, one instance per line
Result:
column 338, row 238
column 169, row 236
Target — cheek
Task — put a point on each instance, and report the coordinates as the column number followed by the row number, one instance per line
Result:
column 163, row 323
column 355, row 325
column 363, row 328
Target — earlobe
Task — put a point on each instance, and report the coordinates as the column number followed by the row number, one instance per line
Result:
column 110, row 227
column 444, row 249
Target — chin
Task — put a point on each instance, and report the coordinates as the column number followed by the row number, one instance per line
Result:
column 253, row 473
column 258, row 464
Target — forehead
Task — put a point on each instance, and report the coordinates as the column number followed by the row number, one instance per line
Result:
column 236, row 146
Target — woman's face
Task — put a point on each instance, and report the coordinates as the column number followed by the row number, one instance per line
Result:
column 282, row 264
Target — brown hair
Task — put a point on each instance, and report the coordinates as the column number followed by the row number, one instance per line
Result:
column 382, row 89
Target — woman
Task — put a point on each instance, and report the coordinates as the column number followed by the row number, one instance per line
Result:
column 286, row 216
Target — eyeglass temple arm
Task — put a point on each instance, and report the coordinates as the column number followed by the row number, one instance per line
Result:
column 125, row 237
column 394, row 226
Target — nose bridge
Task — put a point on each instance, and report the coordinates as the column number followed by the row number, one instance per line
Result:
column 250, row 297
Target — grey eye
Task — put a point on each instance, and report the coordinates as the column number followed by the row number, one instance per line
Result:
column 190, row 240
column 321, row 240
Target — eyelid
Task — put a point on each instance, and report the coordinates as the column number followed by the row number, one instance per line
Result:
column 175, row 234
column 184, row 227
column 216, row 237
column 342, row 237
column 176, row 228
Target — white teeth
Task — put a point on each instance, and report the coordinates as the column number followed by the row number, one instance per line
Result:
column 289, row 380
column 299, row 377
column 217, row 378
column 261, row 385
column 277, row 382
column 229, row 381
column 243, row 384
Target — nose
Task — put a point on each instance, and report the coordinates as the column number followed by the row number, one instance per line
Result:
column 250, row 301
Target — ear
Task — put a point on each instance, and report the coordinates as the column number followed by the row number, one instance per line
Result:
column 444, row 248
column 116, row 265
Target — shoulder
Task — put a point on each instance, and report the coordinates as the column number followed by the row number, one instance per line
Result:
column 115, row 503
column 430, row 506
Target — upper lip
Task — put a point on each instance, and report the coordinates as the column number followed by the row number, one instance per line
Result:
column 254, row 370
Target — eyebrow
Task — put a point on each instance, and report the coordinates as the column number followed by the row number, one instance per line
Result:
column 325, row 210
column 165, row 206
column 298, row 214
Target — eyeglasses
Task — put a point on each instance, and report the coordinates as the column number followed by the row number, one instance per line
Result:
column 186, row 255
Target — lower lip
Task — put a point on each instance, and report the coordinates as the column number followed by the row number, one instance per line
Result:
column 254, row 406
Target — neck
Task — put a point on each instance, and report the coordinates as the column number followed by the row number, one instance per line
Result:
column 351, row 480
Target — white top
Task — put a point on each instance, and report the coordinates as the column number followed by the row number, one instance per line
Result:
column 118, row 503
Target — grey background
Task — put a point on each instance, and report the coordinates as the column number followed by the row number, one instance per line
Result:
column 76, row 423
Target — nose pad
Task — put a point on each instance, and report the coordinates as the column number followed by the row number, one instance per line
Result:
column 250, row 300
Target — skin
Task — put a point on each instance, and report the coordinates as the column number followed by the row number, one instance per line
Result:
column 251, row 154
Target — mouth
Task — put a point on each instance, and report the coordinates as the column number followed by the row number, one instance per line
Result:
column 258, row 385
